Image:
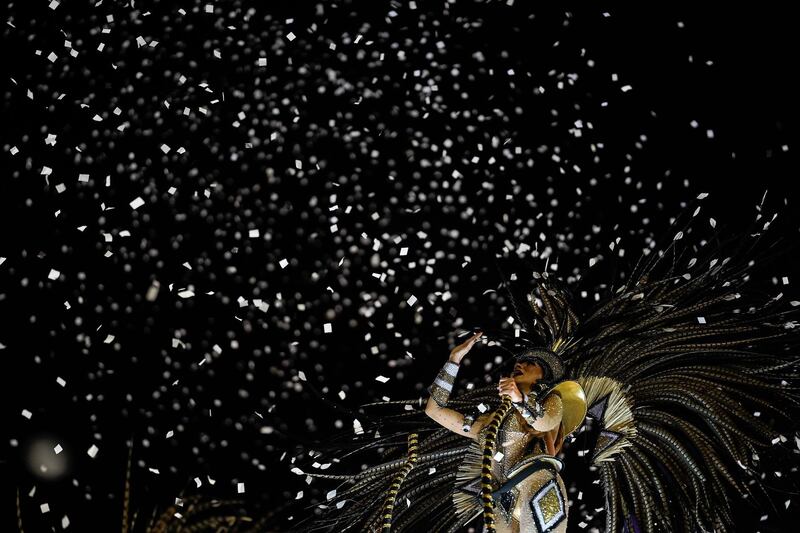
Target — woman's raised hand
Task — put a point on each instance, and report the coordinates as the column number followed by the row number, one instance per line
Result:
column 458, row 353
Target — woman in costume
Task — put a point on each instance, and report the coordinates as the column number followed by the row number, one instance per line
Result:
column 688, row 368
column 518, row 443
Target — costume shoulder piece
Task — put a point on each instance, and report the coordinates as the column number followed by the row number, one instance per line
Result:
column 573, row 405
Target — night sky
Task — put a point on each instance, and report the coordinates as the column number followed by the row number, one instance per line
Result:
column 216, row 212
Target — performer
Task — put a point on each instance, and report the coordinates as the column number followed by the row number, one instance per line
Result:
column 516, row 466
column 688, row 369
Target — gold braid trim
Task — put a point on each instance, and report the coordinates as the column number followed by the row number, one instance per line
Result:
column 486, row 467
column 388, row 504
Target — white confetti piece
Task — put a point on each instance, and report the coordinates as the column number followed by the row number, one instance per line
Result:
column 240, row 488
column 382, row 379
column 327, row 327
column 53, row 274
column 58, row 449
column 136, row 203
column 92, row 451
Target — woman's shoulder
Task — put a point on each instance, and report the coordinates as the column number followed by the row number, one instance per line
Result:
column 551, row 396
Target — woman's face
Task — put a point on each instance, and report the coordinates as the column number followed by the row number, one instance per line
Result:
column 526, row 374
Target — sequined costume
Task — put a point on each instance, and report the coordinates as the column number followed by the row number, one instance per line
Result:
column 688, row 372
column 537, row 502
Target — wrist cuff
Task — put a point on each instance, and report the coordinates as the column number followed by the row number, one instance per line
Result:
column 443, row 384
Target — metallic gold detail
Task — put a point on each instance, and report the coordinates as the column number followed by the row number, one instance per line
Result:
column 486, row 469
column 443, row 384
column 573, row 399
column 388, row 504
column 548, row 506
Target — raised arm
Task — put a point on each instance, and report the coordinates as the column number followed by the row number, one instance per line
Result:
column 441, row 388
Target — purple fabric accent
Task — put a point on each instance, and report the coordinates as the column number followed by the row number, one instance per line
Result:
column 632, row 525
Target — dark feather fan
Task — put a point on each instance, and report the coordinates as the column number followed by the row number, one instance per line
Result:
column 688, row 367
column 690, row 371
column 426, row 496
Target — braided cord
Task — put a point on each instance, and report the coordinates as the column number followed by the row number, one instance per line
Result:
column 486, row 467
column 388, row 504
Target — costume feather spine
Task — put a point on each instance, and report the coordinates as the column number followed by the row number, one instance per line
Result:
column 388, row 505
column 488, row 456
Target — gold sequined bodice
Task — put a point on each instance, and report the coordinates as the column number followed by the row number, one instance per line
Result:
column 515, row 441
